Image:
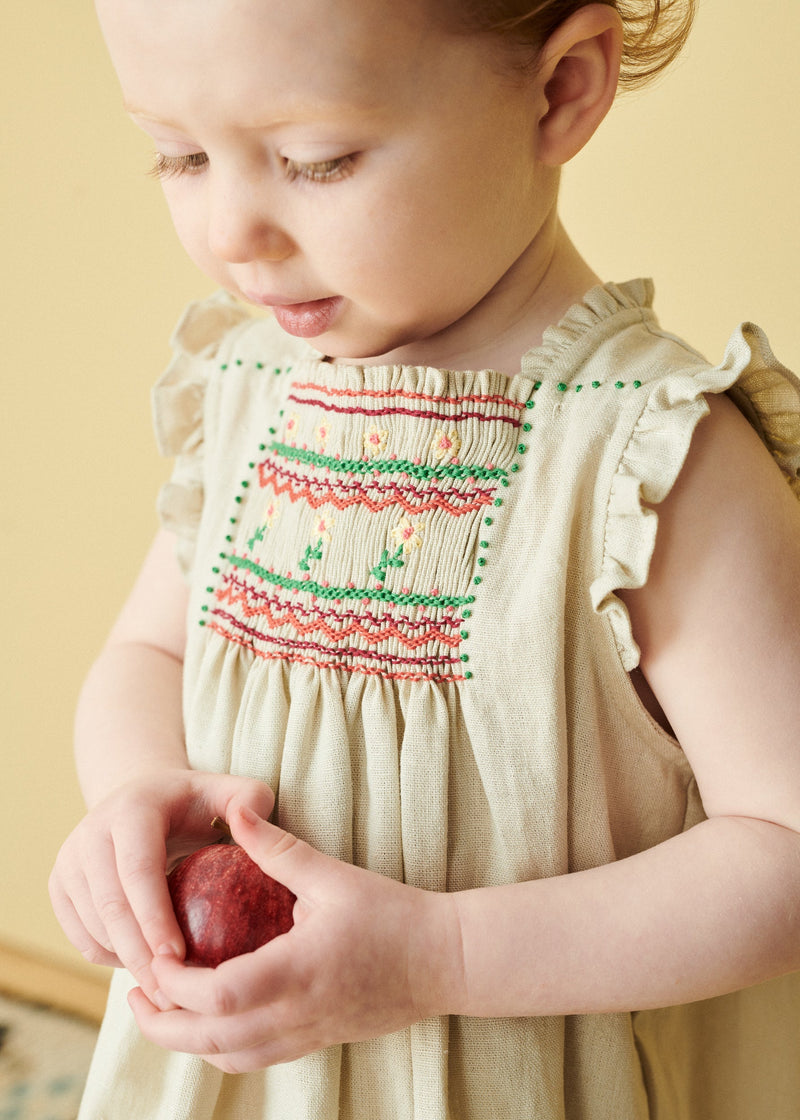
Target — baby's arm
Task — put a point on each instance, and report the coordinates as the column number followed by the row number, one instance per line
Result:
column 146, row 807
column 717, row 908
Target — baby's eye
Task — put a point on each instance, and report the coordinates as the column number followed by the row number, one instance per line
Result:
column 326, row 171
column 166, row 167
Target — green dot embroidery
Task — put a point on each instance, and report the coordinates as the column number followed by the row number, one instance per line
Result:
column 467, row 675
column 215, row 571
column 245, row 484
column 530, row 404
column 204, row 608
column 464, row 633
column 209, row 589
column 578, row 388
column 504, row 481
column 514, row 467
column 637, row 384
column 259, row 365
column 229, row 539
column 488, row 521
column 202, row 622
column 238, row 499
column 482, row 561
column 277, row 370
column 478, row 579
column 484, row 544
column 527, row 427
column 619, row 384
column 465, row 657
column 467, row 614
column 537, row 385
column 498, row 501
column 522, row 448
column 595, row 384
column 239, row 361
column 224, row 366
column 561, row 387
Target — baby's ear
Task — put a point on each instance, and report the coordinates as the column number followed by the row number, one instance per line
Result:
column 578, row 73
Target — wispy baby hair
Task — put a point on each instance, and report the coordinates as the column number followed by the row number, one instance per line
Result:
column 654, row 30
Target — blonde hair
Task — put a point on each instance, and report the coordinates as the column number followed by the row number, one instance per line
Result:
column 655, row 31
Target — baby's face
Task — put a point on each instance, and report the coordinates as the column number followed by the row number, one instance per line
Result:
column 367, row 174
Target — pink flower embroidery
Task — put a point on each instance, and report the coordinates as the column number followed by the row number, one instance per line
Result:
column 445, row 445
column 321, row 433
column 291, row 429
column 272, row 512
column 375, row 441
column 322, row 527
column 408, row 534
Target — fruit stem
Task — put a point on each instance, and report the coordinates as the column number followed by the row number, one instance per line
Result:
column 222, row 826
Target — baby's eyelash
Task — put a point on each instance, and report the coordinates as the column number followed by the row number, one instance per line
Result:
column 166, row 167
column 326, row 171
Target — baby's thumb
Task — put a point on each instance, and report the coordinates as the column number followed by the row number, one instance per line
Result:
column 277, row 852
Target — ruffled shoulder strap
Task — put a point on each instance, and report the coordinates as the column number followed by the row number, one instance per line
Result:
column 765, row 391
column 178, row 401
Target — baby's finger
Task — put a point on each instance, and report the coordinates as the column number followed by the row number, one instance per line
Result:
column 234, row 987
column 259, row 1033
column 141, row 860
column 77, row 928
column 114, row 911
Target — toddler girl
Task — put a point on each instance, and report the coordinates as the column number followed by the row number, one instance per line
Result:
column 486, row 592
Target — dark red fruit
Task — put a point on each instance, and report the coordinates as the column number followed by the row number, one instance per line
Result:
column 226, row 905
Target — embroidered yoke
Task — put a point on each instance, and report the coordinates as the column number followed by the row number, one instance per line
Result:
column 404, row 618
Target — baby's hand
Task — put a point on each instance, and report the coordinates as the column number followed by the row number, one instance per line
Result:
column 108, row 887
column 367, row 955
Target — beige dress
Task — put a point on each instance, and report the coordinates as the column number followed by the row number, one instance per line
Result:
column 403, row 618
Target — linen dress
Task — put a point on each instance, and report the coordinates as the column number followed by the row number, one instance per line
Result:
column 403, row 618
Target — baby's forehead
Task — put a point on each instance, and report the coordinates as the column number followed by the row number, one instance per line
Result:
column 292, row 53
column 349, row 44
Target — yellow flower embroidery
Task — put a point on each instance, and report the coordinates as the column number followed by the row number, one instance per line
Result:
column 323, row 526
column 292, row 427
column 445, row 445
column 375, row 441
column 408, row 534
column 321, row 433
column 272, row 512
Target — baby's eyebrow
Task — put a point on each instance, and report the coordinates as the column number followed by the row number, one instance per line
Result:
column 132, row 111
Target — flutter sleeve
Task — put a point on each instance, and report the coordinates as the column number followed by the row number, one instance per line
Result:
column 765, row 391
column 180, row 416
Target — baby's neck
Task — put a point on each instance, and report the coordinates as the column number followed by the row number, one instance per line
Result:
column 513, row 317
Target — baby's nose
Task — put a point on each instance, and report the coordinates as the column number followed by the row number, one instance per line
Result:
column 242, row 229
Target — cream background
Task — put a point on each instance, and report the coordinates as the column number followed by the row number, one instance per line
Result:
column 694, row 182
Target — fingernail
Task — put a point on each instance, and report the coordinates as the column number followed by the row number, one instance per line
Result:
column 168, row 951
column 248, row 815
column 161, row 1001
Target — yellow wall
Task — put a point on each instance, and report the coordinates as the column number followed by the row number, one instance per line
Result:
column 694, row 182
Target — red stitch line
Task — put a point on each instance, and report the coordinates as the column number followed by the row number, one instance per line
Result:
column 360, row 497
column 315, row 647
column 417, row 413
column 368, row 483
column 366, row 670
column 311, row 612
column 480, row 398
column 330, row 632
